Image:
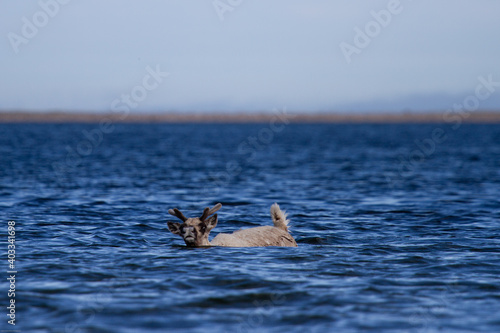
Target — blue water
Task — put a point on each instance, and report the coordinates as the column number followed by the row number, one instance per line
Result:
column 397, row 226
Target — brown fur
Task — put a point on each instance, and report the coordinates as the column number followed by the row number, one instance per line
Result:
column 195, row 231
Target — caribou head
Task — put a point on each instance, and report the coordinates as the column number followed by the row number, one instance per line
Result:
column 194, row 230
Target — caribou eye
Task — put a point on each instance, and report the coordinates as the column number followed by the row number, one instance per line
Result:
column 203, row 228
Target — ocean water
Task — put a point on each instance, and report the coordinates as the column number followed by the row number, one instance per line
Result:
column 398, row 227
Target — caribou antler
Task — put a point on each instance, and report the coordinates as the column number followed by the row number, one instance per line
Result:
column 207, row 211
column 177, row 213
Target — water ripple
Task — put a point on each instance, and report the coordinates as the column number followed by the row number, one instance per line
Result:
column 378, row 250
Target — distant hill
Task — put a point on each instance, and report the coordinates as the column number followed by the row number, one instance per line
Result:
column 418, row 102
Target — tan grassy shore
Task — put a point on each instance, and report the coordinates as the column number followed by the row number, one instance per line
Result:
column 82, row 117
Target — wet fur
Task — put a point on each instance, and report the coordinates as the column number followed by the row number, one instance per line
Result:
column 195, row 231
column 259, row 236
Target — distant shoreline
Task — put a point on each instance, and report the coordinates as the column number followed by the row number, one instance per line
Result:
column 341, row 118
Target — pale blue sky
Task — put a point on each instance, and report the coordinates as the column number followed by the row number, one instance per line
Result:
column 264, row 54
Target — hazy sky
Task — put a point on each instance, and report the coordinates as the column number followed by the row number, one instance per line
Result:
column 305, row 55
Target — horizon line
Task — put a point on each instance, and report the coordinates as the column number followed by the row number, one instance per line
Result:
column 484, row 116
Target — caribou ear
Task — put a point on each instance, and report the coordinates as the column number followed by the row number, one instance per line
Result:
column 211, row 222
column 174, row 228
